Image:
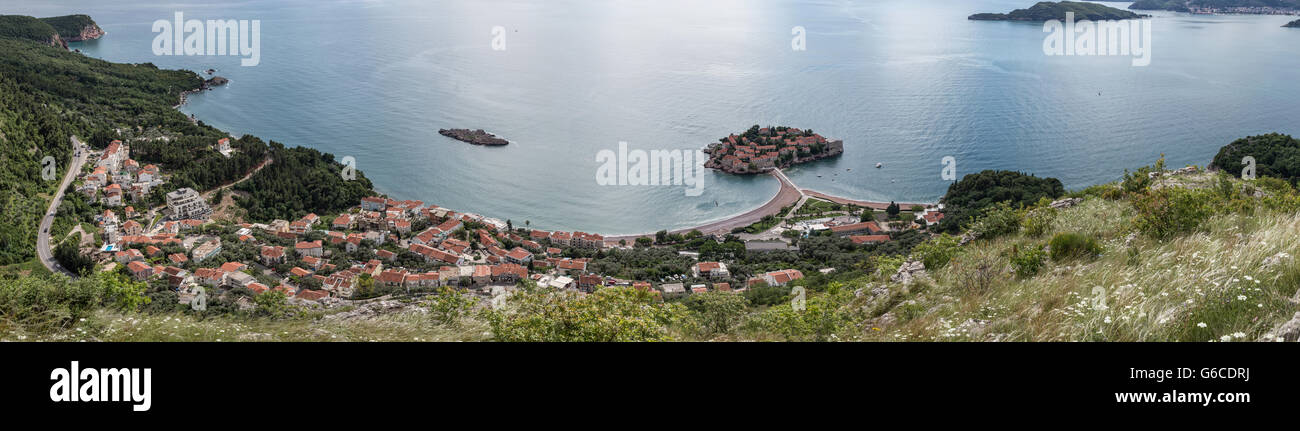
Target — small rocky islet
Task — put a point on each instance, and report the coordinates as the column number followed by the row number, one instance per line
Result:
column 476, row 137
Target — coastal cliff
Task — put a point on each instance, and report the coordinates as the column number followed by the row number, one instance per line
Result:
column 75, row 28
column 54, row 31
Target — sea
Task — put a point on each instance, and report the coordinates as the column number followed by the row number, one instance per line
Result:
column 904, row 83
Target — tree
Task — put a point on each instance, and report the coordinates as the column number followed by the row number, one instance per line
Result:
column 892, row 209
column 967, row 198
column 449, row 305
column 717, row 312
column 272, row 303
column 71, row 258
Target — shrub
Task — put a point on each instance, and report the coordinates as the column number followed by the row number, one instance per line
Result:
column 717, row 312
column 1170, row 211
column 448, row 305
column 997, row 220
column 937, row 251
column 1072, row 245
column 822, row 318
column 608, row 314
column 1027, row 261
column 1140, row 181
column 1037, row 222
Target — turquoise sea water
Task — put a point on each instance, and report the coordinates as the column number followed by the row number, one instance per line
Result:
column 902, row 82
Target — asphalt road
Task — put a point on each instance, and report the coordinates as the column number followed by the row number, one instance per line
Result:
column 43, row 251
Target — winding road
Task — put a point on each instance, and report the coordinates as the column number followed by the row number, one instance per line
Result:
column 79, row 154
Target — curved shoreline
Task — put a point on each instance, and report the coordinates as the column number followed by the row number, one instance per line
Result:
column 789, row 194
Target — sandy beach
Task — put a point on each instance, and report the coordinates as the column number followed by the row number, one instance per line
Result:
column 789, row 194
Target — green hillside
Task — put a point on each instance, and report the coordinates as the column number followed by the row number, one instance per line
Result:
column 48, row 94
column 26, row 27
column 1046, row 11
column 70, row 26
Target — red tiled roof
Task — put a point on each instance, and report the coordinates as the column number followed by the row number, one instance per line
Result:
column 865, row 239
column 866, row 225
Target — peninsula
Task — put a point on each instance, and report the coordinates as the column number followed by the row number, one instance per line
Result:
column 1047, row 11
column 476, row 137
column 55, row 31
column 759, row 149
column 1293, row 24
column 1248, row 7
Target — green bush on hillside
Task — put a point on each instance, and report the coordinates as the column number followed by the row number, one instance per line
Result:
column 1066, row 246
column 1168, row 212
column 937, row 251
column 1027, row 261
column 997, row 220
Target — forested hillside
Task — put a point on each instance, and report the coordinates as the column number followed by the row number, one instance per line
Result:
column 48, row 94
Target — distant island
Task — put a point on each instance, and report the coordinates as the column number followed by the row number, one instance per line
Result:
column 759, row 149
column 1293, row 24
column 1256, row 7
column 55, row 31
column 1047, row 11
column 476, row 137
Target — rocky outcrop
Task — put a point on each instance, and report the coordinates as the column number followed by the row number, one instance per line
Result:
column 476, row 137
column 1289, row 331
column 89, row 32
column 372, row 309
column 216, row 81
column 1066, row 203
column 908, row 272
column 1179, row 171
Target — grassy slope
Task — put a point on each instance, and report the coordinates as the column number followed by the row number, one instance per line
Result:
column 1161, row 295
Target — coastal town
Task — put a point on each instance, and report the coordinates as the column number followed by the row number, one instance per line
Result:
column 384, row 246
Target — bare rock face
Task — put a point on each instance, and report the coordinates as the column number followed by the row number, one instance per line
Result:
column 87, row 33
column 372, row 309
column 909, row 272
column 1066, row 203
column 1289, row 331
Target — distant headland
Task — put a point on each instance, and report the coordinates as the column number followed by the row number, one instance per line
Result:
column 759, row 149
column 1047, row 11
column 1293, row 24
column 56, row 31
column 476, row 137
